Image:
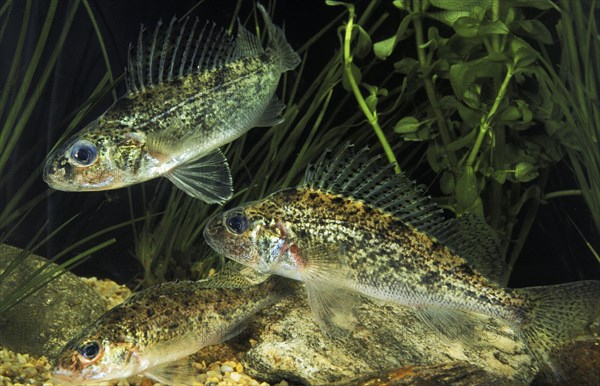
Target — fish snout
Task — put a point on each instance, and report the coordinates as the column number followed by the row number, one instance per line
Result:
column 213, row 228
column 56, row 174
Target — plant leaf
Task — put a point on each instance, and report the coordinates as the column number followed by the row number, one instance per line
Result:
column 495, row 27
column 406, row 66
column 463, row 5
column 355, row 74
column 384, row 48
column 363, row 45
column 466, row 27
column 466, row 188
column 407, row 125
column 534, row 29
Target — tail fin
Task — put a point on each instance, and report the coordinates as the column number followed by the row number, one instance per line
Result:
column 557, row 314
column 278, row 43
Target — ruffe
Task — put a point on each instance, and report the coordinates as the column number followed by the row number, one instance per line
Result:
column 189, row 91
column 356, row 228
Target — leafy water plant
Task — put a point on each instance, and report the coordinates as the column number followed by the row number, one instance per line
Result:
column 574, row 89
column 488, row 112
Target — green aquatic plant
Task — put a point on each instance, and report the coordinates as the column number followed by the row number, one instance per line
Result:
column 574, row 88
column 262, row 161
column 488, row 110
column 29, row 75
column 458, row 90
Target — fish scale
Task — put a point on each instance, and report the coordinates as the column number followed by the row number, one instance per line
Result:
column 355, row 228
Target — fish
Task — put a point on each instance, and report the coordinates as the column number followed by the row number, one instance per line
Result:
column 154, row 331
column 354, row 228
column 190, row 90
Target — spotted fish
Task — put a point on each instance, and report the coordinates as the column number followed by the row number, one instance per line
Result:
column 357, row 228
column 190, row 89
column 154, row 331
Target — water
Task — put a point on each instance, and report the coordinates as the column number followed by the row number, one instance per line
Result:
column 553, row 251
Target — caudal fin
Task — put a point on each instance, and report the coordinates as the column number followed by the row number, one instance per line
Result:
column 277, row 41
column 556, row 315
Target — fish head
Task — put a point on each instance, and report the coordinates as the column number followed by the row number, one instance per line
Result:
column 253, row 235
column 95, row 159
column 91, row 358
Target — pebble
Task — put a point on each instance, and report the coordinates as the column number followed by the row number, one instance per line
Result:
column 226, row 369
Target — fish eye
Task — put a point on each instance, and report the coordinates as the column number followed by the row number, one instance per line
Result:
column 237, row 223
column 84, row 153
column 89, row 350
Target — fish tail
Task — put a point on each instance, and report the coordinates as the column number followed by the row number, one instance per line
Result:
column 289, row 59
column 555, row 315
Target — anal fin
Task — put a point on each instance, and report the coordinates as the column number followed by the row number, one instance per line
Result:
column 453, row 325
column 207, row 178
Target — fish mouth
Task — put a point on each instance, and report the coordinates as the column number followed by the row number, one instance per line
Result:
column 63, row 377
column 213, row 228
column 55, row 176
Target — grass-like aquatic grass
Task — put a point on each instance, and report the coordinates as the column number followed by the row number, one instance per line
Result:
column 28, row 77
column 576, row 89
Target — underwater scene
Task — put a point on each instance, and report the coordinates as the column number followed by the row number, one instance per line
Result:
column 277, row 192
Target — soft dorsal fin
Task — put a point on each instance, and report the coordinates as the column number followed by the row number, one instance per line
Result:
column 470, row 237
column 184, row 48
column 374, row 182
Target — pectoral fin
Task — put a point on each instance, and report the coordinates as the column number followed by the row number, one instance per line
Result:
column 166, row 142
column 325, row 275
column 207, row 178
column 179, row 372
column 333, row 308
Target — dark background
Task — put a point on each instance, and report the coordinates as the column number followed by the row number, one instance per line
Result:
column 554, row 252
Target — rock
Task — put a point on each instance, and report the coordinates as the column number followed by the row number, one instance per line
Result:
column 388, row 341
column 580, row 361
column 42, row 323
column 453, row 373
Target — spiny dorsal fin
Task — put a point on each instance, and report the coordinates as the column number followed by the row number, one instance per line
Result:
column 373, row 181
column 178, row 51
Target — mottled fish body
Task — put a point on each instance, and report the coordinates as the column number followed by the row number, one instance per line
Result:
column 355, row 227
column 191, row 89
column 154, row 331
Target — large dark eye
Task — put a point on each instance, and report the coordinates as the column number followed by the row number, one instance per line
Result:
column 90, row 350
column 237, row 223
column 84, row 153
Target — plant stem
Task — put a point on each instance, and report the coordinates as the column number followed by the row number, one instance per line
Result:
column 486, row 121
column 495, row 16
column 371, row 116
column 430, row 88
column 562, row 193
